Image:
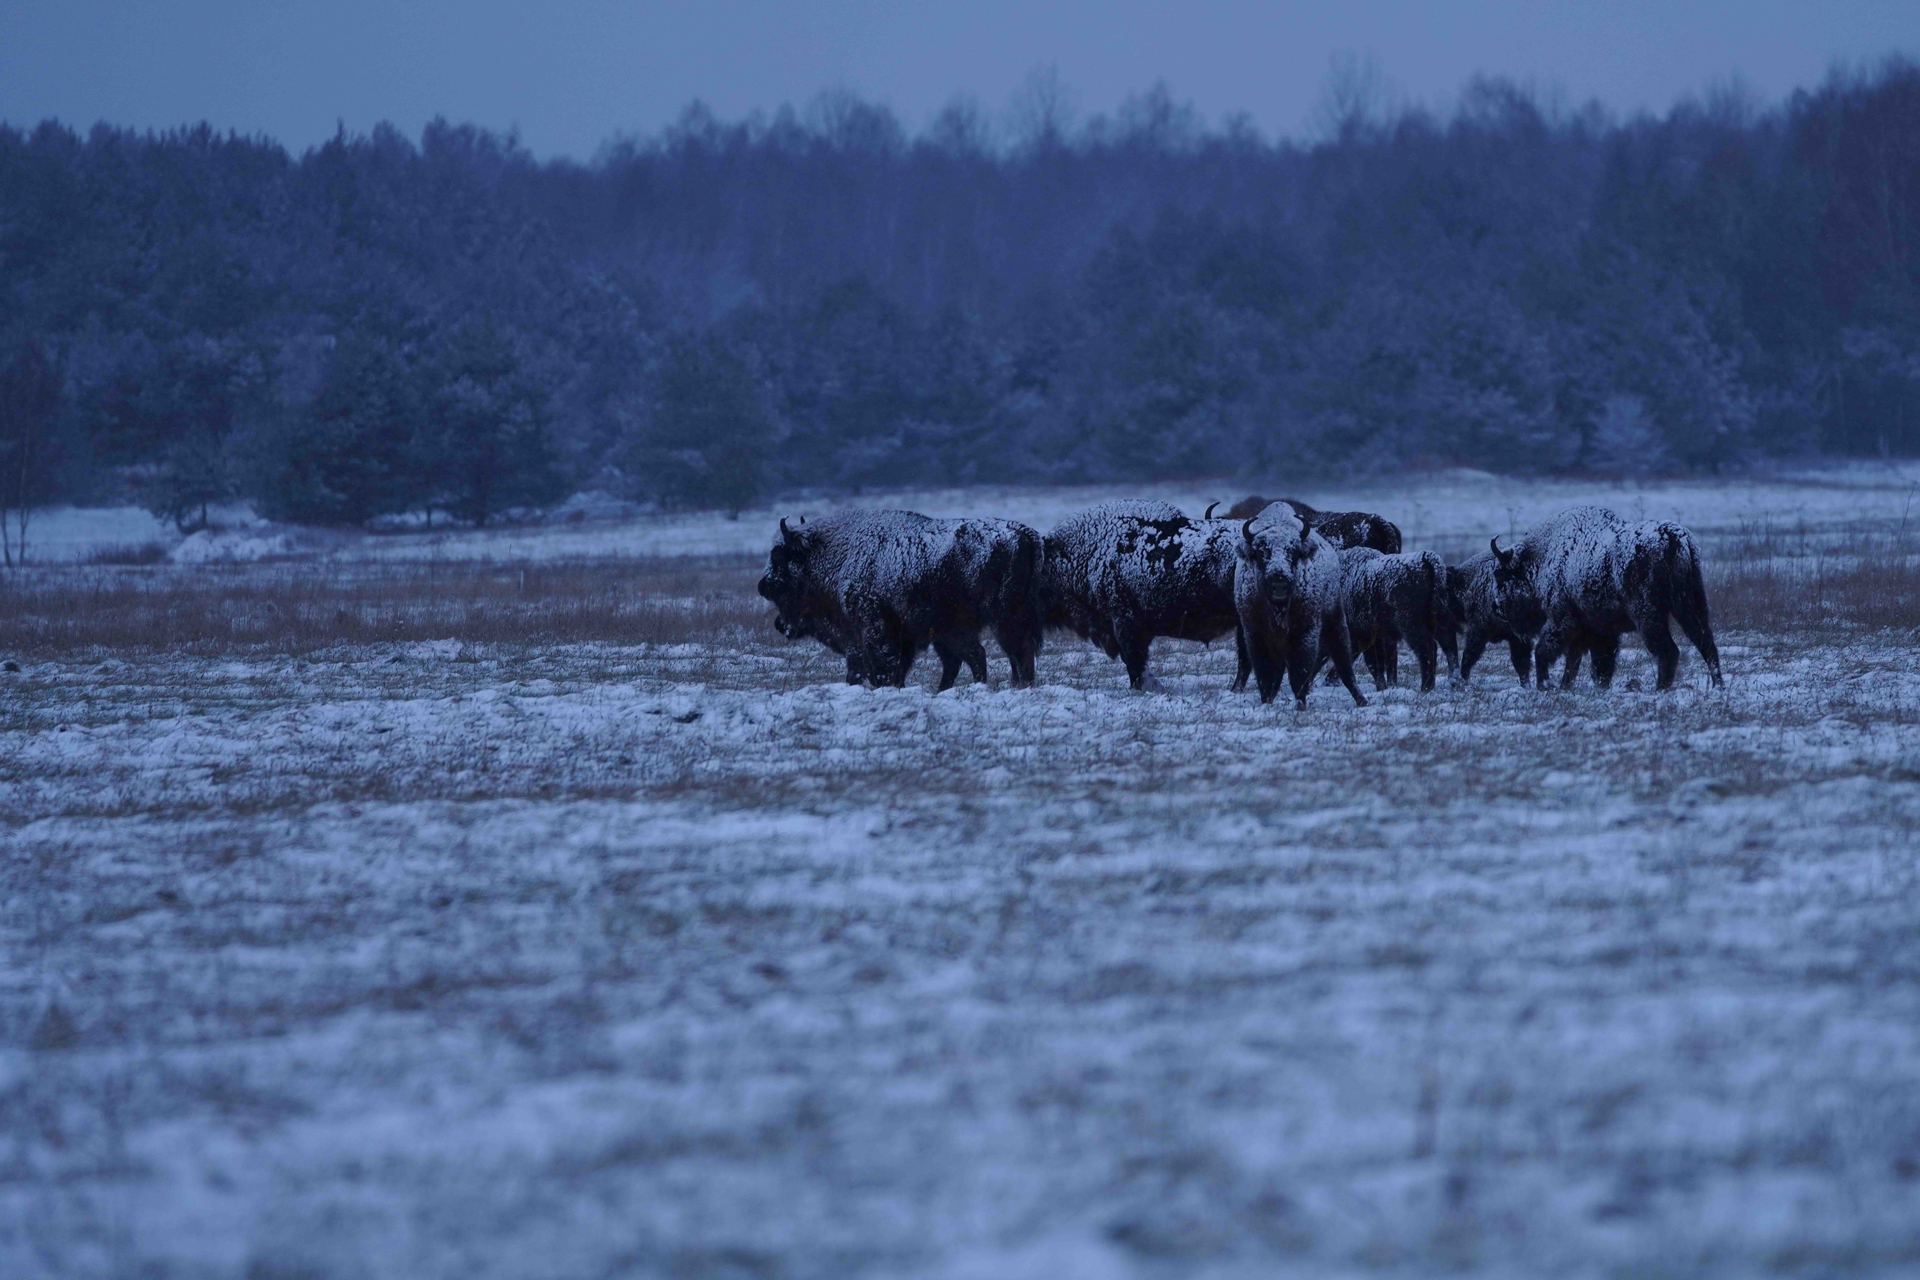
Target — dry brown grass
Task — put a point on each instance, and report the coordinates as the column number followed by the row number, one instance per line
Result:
column 297, row 608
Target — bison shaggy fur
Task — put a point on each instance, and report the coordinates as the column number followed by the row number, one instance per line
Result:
column 1597, row 577
column 1124, row 574
column 1489, row 610
column 1287, row 592
column 1391, row 599
column 880, row 586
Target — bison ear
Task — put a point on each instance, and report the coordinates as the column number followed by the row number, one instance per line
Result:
column 1209, row 514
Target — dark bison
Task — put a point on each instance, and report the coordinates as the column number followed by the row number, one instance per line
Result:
column 1597, row 577
column 1286, row 588
column 1342, row 528
column 1490, row 607
column 1123, row 574
column 1390, row 599
column 879, row 586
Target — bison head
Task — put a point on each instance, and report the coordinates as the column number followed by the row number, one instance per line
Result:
column 784, row 584
column 1273, row 555
column 1515, row 603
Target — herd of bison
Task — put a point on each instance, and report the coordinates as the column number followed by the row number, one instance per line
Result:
column 1297, row 588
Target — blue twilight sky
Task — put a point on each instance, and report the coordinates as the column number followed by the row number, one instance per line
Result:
column 568, row 74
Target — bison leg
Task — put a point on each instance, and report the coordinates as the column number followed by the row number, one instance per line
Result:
column 1606, row 655
column 1471, row 651
column 1546, row 652
column 1421, row 641
column 1577, row 644
column 1334, row 636
column 886, row 653
column 856, row 669
column 950, row 657
column 1666, row 654
column 1303, row 663
column 1133, row 651
column 1243, row 665
column 1450, row 645
column 1522, row 654
column 976, row 655
column 1019, row 646
column 1378, row 665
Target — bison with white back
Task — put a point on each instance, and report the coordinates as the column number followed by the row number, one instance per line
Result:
column 1286, row 587
column 1597, row 577
column 880, row 586
column 1123, row 574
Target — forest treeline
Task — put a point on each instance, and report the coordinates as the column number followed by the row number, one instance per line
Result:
column 822, row 299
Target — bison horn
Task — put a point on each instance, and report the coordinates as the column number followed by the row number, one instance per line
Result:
column 784, row 531
column 1210, row 507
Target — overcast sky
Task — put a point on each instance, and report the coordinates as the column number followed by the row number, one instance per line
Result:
column 568, row 74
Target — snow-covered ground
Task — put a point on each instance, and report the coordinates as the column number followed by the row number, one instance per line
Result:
column 448, row 959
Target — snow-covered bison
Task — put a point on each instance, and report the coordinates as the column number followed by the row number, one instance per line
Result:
column 1286, row 589
column 1123, row 574
column 1343, row 529
column 1597, row 577
column 1490, row 608
column 879, row 586
column 1390, row 599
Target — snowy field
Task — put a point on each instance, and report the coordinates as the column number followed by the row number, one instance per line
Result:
column 407, row 944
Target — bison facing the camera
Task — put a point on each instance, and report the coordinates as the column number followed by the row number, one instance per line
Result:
column 1597, row 577
column 1493, row 605
column 879, row 586
column 1286, row 589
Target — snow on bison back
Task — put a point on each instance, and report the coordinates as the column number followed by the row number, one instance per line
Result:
column 879, row 586
column 1124, row 573
column 1597, row 577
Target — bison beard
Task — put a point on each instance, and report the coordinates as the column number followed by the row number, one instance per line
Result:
column 1597, row 577
column 879, row 586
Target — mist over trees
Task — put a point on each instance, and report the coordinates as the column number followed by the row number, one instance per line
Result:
column 821, row 298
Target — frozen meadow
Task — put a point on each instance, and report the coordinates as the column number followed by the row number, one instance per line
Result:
column 517, row 903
